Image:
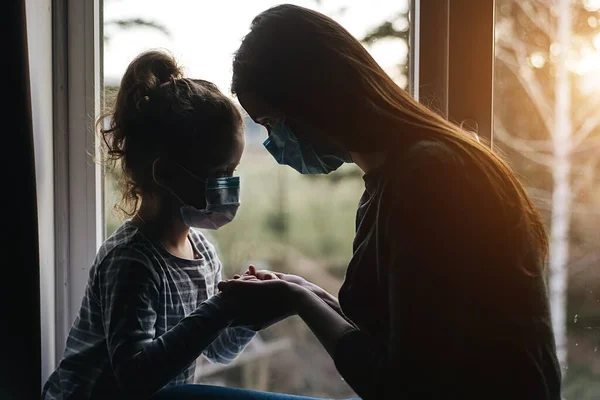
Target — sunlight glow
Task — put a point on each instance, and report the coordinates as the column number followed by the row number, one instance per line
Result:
column 592, row 5
column 589, row 59
column 537, row 60
column 587, row 66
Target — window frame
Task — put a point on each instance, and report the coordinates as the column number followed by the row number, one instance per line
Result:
column 39, row 45
column 436, row 71
column 455, row 61
column 78, row 185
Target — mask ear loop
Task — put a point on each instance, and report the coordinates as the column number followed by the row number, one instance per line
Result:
column 160, row 185
column 168, row 189
column 193, row 175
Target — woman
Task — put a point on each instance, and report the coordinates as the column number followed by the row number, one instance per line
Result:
column 445, row 294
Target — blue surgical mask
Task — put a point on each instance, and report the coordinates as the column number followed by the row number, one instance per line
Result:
column 222, row 197
column 288, row 150
column 222, row 202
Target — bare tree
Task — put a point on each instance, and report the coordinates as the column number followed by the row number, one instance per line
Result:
column 134, row 23
column 131, row 23
column 567, row 144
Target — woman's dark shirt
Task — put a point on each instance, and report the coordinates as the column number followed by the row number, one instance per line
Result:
column 438, row 290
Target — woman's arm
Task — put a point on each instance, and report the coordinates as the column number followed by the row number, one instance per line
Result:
column 321, row 293
column 326, row 323
column 274, row 299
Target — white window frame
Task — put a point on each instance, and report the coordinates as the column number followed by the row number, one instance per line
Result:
column 39, row 28
column 446, row 65
column 79, row 210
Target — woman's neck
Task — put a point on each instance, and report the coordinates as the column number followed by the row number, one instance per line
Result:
column 367, row 162
column 163, row 224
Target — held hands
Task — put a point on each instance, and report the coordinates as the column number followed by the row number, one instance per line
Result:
column 261, row 298
column 259, row 303
column 263, row 275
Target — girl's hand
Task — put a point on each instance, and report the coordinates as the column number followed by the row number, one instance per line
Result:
column 259, row 303
column 264, row 274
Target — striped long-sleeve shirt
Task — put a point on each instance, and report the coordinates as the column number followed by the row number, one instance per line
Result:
column 145, row 318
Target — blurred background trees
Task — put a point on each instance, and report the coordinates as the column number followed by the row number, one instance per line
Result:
column 546, row 124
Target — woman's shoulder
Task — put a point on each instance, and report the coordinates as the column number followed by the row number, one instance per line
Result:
column 428, row 152
column 422, row 162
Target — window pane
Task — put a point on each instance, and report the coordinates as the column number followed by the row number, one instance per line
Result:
column 288, row 222
column 547, row 122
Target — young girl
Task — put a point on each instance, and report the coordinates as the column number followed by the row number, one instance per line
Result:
column 150, row 308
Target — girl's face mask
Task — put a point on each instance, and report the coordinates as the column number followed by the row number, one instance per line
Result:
column 222, row 197
column 222, row 202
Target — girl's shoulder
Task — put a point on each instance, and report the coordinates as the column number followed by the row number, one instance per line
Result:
column 126, row 245
column 128, row 235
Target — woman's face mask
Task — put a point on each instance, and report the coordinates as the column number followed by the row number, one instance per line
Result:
column 222, row 199
column 285, row 147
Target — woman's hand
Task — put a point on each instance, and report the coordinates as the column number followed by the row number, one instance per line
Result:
column 258, row 303
column 264, row 274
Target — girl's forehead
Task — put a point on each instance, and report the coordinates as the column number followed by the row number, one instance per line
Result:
column 211, row 154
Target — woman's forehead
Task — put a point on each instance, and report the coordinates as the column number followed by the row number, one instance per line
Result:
column 256, row 107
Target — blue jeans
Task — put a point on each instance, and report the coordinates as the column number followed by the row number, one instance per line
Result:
column 206, row 392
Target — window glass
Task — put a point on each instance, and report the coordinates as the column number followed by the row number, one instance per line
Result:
column 547, row 123
column 287, row 222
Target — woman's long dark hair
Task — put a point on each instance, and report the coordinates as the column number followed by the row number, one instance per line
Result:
column 306, row 64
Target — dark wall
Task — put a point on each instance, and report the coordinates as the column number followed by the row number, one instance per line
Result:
column 20, row 354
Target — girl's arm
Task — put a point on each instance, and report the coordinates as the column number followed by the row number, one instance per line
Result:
column 128, row 293
column 232, row 340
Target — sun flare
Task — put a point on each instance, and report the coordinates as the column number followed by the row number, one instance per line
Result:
column 587, row 67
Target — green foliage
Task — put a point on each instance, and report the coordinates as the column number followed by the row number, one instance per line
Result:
column 134, row 23
column 110, row 96
column 396, row 27
column 387, row 30
column 130, row 23
column 581, row 383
